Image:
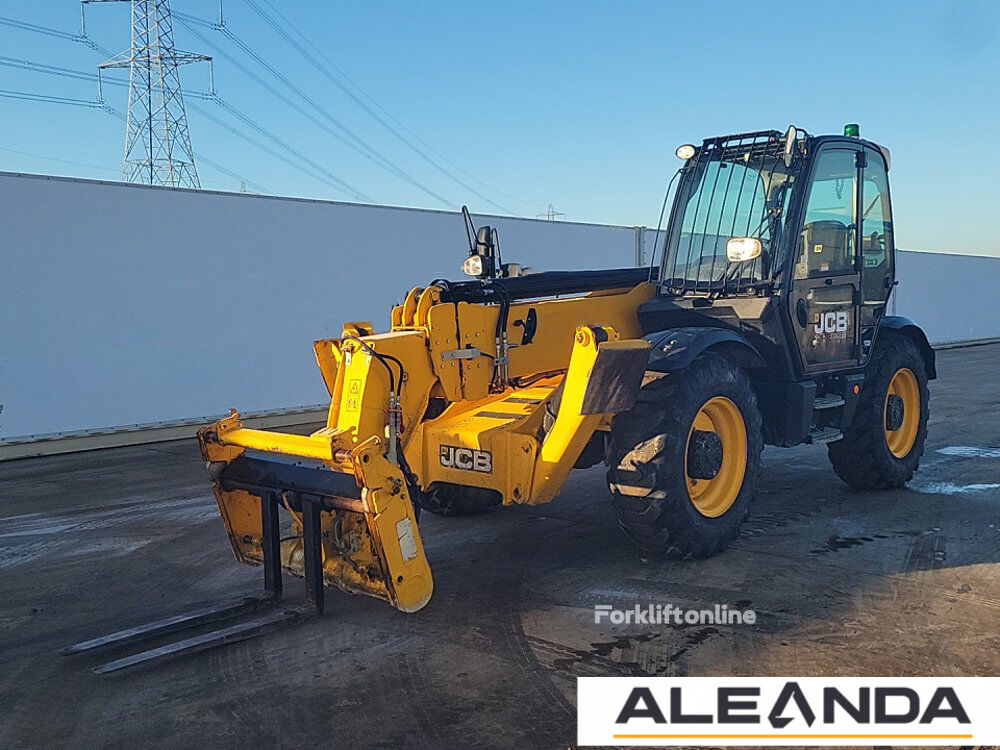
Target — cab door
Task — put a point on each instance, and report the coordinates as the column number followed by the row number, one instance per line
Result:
column 826, row 278
column 878, row 249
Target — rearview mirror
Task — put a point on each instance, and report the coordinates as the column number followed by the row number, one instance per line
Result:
column 790, row 135
column 740, row 249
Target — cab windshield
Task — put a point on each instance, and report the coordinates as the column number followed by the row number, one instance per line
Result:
column 736, row 187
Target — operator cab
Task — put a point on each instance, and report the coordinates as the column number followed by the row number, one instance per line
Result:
column 786, row 237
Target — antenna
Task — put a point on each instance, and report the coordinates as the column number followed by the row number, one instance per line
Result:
column 157, row 142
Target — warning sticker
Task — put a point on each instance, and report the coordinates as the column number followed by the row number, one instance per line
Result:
column 353, row 394
column 407, row 543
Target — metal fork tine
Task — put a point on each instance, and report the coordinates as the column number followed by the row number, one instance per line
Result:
column 205, row 641
column 172, row 624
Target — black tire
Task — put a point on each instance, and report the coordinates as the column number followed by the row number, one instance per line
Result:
column 456, row 500
column 862, row 457
column 646, row 460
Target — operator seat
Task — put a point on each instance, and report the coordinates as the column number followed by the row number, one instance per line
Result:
column 826, row 248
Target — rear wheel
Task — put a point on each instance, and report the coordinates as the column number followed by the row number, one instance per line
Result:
column 881, row 448
column 684, row 462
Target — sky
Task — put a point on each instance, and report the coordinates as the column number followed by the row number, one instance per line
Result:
column 519, row 105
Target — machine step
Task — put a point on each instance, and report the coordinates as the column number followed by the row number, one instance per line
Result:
column 825, row 435
column 828, row 401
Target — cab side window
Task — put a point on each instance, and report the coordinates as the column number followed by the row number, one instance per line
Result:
column 876, row 229
column 826, row 242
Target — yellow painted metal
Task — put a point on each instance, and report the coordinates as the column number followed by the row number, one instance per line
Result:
column 375, row 550
column 373, row 546
column 410, row 305
column 552, row 343
column 392, row 525
column 240, row 511
column 358, row 328
column 505, row 429
column 364, row 384
column 429, row 297
column 713, row 497
column 442, row 336
column 320, row 448
column 571, row 429
column 477, row 329
column 903, row 384
column 328, row 360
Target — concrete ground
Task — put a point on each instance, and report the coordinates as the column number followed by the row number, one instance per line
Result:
column 895, row 583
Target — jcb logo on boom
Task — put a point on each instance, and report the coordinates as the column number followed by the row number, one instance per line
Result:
column 453, row 457
column 832, row 322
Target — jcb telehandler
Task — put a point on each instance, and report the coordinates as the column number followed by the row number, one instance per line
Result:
column 765, row 322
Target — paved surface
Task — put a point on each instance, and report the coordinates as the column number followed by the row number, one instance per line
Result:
column 897, row 583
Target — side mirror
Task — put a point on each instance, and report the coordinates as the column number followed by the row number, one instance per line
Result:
column 741, row 249
column 790, row 135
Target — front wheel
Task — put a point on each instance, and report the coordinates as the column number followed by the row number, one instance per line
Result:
column 683, row 463
column 881, row 448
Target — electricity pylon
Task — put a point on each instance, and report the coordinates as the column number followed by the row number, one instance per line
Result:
column 157, row 141
column 551, row 214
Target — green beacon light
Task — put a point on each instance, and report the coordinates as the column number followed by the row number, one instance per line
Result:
column 851, row 130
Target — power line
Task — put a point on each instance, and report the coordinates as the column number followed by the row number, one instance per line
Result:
column 25, row 26
column 32, row 97
column 323, row 175
column 14, row 62
column 260, row 128
column 340, row 74
column 53, row 158
column 319, row 172
column 357, row 100
column 40, row 29
column 108, row 109
column 352, row 140
column 234, row 175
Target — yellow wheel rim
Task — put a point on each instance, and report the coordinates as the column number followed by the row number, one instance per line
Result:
column 903, row 384
column 713, row 497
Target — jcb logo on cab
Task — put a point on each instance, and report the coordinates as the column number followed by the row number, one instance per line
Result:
column 832, row 322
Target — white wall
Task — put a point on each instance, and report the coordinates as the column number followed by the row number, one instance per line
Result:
column 124, row 304
column 952, row 297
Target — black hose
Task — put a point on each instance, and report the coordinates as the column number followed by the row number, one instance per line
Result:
column 384, row 359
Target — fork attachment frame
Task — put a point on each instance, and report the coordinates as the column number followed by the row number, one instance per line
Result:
column 274, row 617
